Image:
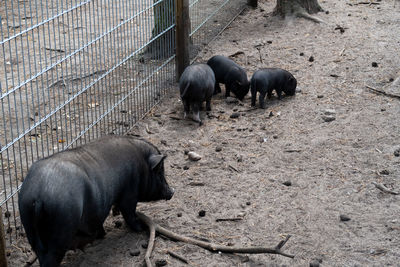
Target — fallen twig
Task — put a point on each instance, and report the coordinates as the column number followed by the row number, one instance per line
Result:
column 148, row 130
column 55, row 49
column 196, row 184
column 228, row 219
column 176, row 256
column 71, row 78
column 152, row 228
column 210, row 246
column 175, row 118
column 382, row 92
column 366, row 3
column 233, row 168
column 384, row 189
column 292, row 150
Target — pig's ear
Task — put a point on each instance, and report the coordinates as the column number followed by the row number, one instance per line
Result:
column 155, row 160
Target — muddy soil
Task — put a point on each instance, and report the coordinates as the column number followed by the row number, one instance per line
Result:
column 285, row 170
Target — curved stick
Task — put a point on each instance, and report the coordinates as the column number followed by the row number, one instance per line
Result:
column 210, row 246
column 152, row 229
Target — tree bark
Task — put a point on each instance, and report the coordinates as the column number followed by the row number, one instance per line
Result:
column 164, row 16
column 299, row 8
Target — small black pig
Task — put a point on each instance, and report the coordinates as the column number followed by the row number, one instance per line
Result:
column 66, row 197
column 265, row 80
column 196, row 86
column 231, row 74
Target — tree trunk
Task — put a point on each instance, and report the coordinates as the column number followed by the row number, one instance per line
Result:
column 164, row 16
column 300, row 8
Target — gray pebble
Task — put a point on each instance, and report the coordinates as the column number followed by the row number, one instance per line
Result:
column 344, row 218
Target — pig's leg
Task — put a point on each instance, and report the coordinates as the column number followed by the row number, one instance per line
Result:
column 196, row 113
column 127, row 207
column 217, row 88
column 279, row 93
column 253, row 96
column 227, row 90
column 208, row 104
column 261, row 100
column 269, row 94
column 186, row 107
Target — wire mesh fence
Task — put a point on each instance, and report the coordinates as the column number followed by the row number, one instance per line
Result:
column 73, row 70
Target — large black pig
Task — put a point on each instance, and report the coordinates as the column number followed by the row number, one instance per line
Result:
column 266, row 80
column 196, row 86
column 231, row 74
column 65, row 198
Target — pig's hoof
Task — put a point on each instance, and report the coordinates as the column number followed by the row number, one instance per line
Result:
column 200, row 123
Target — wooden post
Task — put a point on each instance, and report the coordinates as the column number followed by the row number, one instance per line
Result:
column 3, row 258
column 182, row 22
column 252, row 3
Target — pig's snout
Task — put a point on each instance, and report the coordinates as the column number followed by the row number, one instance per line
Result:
column 169, row 193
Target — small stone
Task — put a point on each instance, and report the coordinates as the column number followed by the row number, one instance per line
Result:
column 328, row 118
column 311, row 59
column 384, row 172
column 269, row 42
column 327, row 12
column 383, row 109
column 218, row 149
column 117, row 224
column 160, row 262
column 134, row 252
column 301, row 54
column 235, row 115
column 374, row 64
column 163, row 142
column 270, row 114
column 320, row 96
column 194, row 156
column 231, row 100
column 202, row 213
column 275, row 136
column 396, row 153
column 186, row 151
column 344, row 218
column 186, row 168
column 7, row 214
column 287, row 183
column 314, row 263
column 248, row 203
column 179, row 214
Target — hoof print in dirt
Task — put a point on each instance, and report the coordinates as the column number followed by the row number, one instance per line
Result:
column 160, row 262
column 193, row 156
column 202, row 213
column 396, row 153
column 134, row 252
column 344, row 218
column 329, row 115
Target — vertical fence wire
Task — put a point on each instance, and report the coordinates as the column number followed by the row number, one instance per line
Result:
column 74, row 70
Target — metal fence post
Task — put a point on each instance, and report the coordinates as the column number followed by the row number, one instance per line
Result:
column 182, row 36
column 3, row 258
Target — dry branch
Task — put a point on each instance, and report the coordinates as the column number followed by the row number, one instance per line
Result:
column 228, row 219
column 384, row 189
column 382, row 92
column 207, row 245
column 176, row 256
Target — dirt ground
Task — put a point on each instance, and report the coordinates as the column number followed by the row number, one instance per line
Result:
column 328, row 167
